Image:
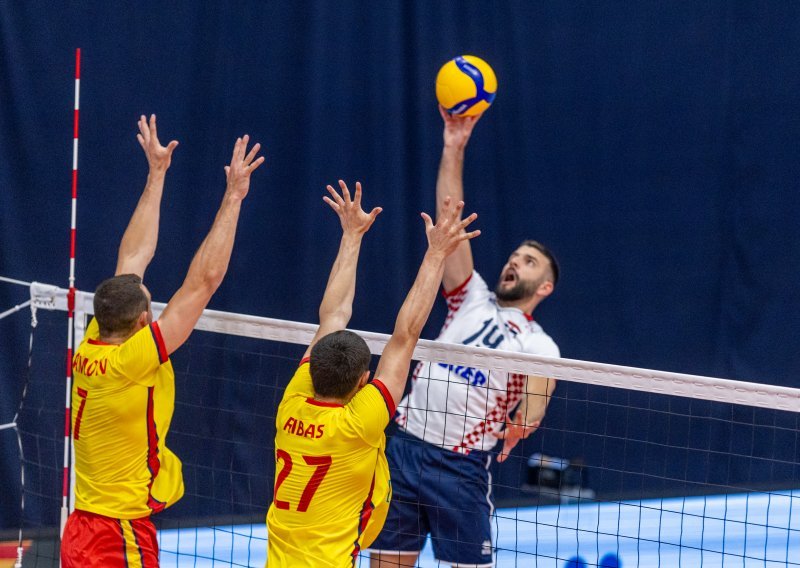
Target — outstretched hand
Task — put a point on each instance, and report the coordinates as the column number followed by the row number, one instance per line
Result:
column 353, row 218
column 243, row 164
column 158, row 157
column 511, row 435
column 449, row 230
column 457, row 129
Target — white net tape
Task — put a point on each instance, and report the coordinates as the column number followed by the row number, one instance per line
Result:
column 632, row 378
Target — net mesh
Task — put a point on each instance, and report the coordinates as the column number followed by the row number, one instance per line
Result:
column 37, row 487
column 614, row 477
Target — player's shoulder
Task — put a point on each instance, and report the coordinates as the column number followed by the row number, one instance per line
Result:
column 536, row 341
column 373, row 398
column 473, row 285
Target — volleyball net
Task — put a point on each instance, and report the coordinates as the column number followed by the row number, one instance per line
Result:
column 631, row 467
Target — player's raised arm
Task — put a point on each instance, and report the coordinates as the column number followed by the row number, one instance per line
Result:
column 528, row 416
column 444, row 238
column 138, row 244
column 210, row 262
column 450, row 183
column 337, row 302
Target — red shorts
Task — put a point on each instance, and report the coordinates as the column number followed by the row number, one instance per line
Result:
column 94, row 540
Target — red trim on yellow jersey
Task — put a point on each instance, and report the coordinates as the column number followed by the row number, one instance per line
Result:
column 97, row 342
column 163, row 355
column 316, row 402
column 305, row 360
column 366, row 513
column 153, row 463
column 387, row 396
column 458, row 288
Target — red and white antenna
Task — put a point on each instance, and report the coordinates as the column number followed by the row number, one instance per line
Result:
column 71, row 295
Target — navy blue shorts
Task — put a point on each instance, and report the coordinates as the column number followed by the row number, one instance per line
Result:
column 440, row 492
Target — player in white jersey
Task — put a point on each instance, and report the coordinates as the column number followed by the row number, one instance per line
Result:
column 454, row 416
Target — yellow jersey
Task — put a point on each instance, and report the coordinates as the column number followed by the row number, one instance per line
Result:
column 123, row 397
column 332, row 487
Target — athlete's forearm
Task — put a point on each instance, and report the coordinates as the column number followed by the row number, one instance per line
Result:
column 210, row 263
column 449, row 181
column 139, row 242
column 532, row 408
column 417, row 306
column 393, row 367
column 337, row 302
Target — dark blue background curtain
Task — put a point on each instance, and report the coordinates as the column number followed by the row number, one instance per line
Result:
column 652, row 146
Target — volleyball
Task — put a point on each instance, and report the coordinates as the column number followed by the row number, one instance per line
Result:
column 466, row 86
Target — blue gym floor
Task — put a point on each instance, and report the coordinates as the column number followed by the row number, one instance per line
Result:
column 745, row 530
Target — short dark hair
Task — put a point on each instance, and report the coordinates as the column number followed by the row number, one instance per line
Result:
column 337, row 362
column 118, row 303
column 554, row 268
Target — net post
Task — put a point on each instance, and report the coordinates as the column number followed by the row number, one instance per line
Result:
column 71, row 298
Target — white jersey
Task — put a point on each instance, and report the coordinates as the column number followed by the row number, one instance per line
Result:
column 457, row 407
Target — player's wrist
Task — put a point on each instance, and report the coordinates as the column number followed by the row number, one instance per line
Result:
column 455, row 146
column 156, row 175
column 352, row 240
column 232, row 197
column 435, row 256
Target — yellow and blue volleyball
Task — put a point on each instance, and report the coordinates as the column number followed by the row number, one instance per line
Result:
column 466, row 86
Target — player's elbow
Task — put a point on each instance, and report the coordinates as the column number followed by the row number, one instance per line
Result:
column 405, row 336
column 408, row 328
column 340, row 311
column 207, row 281
column 214, row 278
column 337, row 318
column 133, row 262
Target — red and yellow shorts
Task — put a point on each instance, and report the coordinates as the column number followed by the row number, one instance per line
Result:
column 94, row 540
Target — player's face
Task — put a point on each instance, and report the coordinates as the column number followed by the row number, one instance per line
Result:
column 526, row 270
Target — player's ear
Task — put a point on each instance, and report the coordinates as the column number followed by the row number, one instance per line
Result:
column 545, row 288
column 144, row 319
column 363, row 380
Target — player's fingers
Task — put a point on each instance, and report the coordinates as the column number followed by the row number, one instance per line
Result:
column 235, row 150
column 144, row 129
column 499, row 435
column 529, row 429
column 336, row 197
column 503, row 455
column 140, row 138
column 258, row 162
column 345, row 191
column 252, row 153
column 470, row 235
column 243, row 146
column 509, row 445
column 375, row 212
column 455, row 214
column 172, row 145
column 443, row 113
column 331, row 202
column 443, row 211
column 357, row 197
column 227, row 171
column 428, row 221
column 153, row 128
column 467, row 221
